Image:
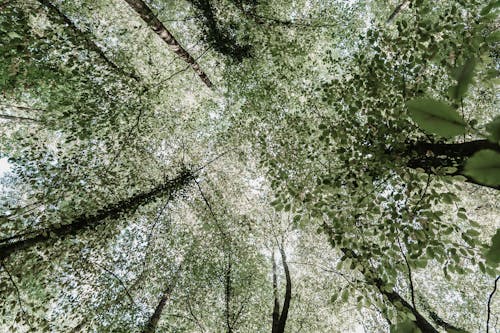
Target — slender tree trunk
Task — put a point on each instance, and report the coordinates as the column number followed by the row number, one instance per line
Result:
column 141, row 8
column 426, row 156
column 155, row 318
column 288, row 293
column 82, row 222
column 396, row 11
column 276, row 307
column 88, row 42
column 279, row 320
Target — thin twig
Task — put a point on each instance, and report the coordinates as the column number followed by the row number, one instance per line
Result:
column 125, row 141
column 17, row 292
column 489, row 304
column 412, row 290
column 118, row 279
column 148, row 240
column 9, row 117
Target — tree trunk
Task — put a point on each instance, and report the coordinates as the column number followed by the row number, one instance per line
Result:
column 276, row 307
column 288, row 294
column 426, row 156
column 88, row 42
column 279, row 320
column 155, row 318
column 82, row 222
column 396, row 11
column 141, row 8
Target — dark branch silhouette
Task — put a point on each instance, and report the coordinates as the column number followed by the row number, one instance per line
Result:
column 169, row 188
column 87, row 39
column 489, row 304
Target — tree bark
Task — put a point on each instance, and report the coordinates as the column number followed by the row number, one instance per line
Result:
column 219, row 37
column 169, row 187
column 141, row 8
column 288, row 294
column 392, row 296
column 276, row 307
column 155, row 318
column 279, row 320
column 427, row 155
column 88, row 42
column 396, row 11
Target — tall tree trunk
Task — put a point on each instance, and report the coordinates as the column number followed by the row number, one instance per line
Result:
column 88, row 42
column 82, row 222
column 279, row 320
column 141, row 8
column 396, row 11
column 276, row 307
column 288, row 293
column 155, row 318
column 427, row 155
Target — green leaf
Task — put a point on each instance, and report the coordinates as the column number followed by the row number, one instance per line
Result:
column 484, row 167
column 494, row 129
column 464, row 78
column 14, row 35
column 493, row 254
column 436, row 117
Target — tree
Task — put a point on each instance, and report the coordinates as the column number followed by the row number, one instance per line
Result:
column 138, row 200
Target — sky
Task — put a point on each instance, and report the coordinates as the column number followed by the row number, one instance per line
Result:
column 4, row 166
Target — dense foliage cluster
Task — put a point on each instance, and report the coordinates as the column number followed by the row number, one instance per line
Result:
column 249, row 166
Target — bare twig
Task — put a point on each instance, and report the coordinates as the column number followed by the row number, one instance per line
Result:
column 412, row 290
column 87, row 39
column 20, row 107
column 9, row 117
column 117, row 278
column 148, row 241
column 17, row 292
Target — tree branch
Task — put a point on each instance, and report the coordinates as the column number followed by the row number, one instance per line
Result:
column 412, row 290
column 89, row 43
column 9, row 117
column 489, row 304
column 2, row 264
column 396, row 11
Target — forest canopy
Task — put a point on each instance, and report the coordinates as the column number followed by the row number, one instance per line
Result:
column 249, row 166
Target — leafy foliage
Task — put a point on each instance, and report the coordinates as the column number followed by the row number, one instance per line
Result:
column 330, row 133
